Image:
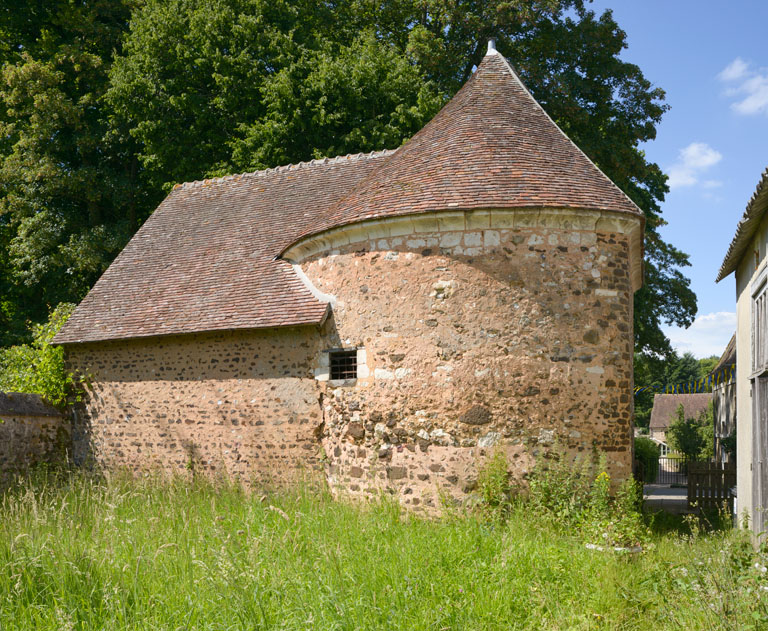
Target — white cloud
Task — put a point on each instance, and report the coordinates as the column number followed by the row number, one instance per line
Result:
column 692, row 161
column 708, row 335
column 734, row 70
column 749, row 86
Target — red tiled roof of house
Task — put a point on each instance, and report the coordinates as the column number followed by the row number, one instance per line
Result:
column 205, row 260
column 665, row 407
column 208, row 258
column 491, row 146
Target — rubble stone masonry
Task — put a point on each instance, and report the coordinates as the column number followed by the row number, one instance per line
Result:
column 31, row 433
column 481, row 331
column 243, row 404
column 511, row 332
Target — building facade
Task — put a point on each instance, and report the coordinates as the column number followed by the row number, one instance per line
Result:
column 724, row 403
column 746, row 259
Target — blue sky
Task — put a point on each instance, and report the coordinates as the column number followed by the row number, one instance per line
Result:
column 711, row 59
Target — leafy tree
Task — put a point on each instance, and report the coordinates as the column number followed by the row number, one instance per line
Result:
column 68, row 199
column 706, row 423
column 682, row 370
column 707, row 365
column 100, row 114
column 338, row 100
column 39, row 367
column 192, row 74
column 692, row 437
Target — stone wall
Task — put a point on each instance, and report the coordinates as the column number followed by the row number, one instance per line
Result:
column 470, row 338
column 243, row 404
column 31, row 432
column 517, row 337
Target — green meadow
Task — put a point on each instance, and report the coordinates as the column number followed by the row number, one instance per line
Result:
column 80, row 552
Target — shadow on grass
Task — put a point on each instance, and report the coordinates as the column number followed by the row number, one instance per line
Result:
column 663, row 523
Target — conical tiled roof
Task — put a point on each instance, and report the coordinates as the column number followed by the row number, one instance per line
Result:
column 491, row 146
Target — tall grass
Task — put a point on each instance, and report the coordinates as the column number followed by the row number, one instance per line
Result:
column 86, row 553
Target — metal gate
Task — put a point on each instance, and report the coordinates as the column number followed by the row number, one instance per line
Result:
column 672, row 470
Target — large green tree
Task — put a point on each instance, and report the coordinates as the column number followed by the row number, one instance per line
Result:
column 211, row 86
column 101, row 114
column 69, row 195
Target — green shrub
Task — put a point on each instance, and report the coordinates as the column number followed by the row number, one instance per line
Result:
column 560, row 489
column 39, row 367
column 647, row 453
column 575, row 498
column 493, row 483
column 614, row 522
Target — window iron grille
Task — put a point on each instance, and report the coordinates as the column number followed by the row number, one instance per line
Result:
column 343, row 364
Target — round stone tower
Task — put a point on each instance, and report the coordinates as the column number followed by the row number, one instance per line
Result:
column 480, row 284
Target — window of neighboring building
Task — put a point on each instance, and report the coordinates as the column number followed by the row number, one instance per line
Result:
column 759, row 403
column 343, row 364
column 760, row 330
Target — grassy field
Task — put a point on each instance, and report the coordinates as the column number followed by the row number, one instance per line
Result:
column 79, row 553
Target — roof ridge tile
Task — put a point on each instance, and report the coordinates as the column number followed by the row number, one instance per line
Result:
column 283, row 168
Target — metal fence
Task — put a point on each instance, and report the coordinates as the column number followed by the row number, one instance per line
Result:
column 672, row 470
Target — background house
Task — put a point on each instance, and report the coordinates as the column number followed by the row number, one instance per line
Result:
column 746, row 259
column 664, row 411
column 724, row 400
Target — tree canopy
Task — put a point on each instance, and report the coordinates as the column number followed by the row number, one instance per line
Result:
column 104, row 105
column 693, row 437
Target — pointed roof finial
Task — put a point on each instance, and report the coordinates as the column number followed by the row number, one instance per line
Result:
column 491, row 46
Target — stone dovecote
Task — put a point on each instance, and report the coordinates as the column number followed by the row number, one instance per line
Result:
column 477, row 282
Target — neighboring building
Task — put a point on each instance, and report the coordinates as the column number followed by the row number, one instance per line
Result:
column 664, row 411
column 746, row 258
column 389, row 317
column 724, row 400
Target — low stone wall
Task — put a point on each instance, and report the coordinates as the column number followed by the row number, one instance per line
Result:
column 31, row 432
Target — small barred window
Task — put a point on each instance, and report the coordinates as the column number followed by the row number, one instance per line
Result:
column 343, row 364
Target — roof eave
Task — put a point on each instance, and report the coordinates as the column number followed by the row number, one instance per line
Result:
column 318, row 323
column 746, row 228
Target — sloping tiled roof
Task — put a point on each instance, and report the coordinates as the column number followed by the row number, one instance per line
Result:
column 746, row 228
column 491, row 146
column 208, row 258
column 205, row 260
column 728, row 358
column 665, row 406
